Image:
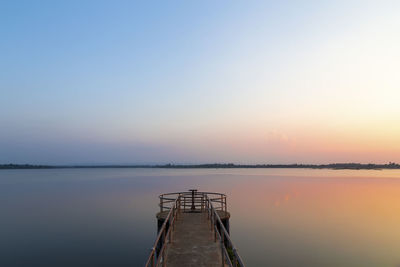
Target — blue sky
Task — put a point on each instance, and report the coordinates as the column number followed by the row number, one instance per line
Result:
column 198, row 81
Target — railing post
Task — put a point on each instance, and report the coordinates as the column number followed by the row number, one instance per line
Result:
column 211, row 222
column 225, row 205
column 171, row 225
column 180, row 205
column 208, row 208
column 222, row 247
column 161, row 203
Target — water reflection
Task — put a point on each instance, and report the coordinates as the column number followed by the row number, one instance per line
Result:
column 105, row 217
column 318, row 221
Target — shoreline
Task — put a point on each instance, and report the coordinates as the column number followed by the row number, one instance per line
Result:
column 334, row 166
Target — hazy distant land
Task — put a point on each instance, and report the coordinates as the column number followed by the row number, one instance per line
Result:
column 336, row 166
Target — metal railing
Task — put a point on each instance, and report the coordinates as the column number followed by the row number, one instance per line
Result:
column 193, row 201
column 229, row 252
column 156, row 258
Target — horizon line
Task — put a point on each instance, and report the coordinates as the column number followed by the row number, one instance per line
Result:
column 348, row 165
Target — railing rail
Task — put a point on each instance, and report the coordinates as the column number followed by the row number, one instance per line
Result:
column 167, row 200
column 155, row 259
column 208, row 202
column 223, row 236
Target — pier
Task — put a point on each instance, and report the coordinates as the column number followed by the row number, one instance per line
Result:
column 193, row 230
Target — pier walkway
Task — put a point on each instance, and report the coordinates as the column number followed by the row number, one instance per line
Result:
column 193, row 230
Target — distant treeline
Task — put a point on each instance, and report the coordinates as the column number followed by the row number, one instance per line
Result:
column 353, row 166
column 24, row 166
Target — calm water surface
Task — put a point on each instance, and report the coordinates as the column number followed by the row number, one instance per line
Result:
column 280, row 217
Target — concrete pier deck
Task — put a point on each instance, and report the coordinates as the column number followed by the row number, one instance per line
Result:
column 193, row 243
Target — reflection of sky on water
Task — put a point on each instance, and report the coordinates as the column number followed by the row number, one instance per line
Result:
column 279, row 217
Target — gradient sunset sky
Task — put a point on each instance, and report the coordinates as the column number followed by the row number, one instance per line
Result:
column 124, row 82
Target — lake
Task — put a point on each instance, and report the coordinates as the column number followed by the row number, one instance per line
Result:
column 279, row 217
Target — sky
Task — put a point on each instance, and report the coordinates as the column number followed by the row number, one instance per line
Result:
column 152, row 82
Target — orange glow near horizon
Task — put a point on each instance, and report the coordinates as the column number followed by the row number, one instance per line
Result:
column 361, row 210
column 378, row 143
